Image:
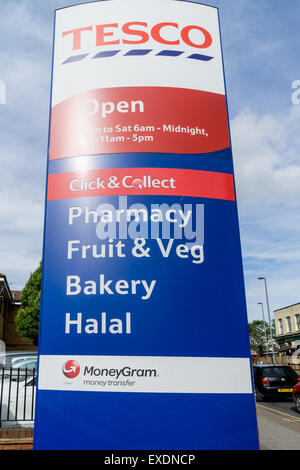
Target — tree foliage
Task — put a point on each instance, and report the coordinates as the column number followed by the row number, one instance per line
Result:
column 257, row 335
column 27, row 320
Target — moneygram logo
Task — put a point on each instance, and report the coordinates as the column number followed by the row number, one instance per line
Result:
column 126, row 371
column 137, row 33
column 71, row 369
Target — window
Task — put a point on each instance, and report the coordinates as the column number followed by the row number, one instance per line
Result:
column 279, row 371
column 289, row 324
column 280, row 326
column 297, row 320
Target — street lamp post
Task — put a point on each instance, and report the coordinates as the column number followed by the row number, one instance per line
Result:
column 265, row 331
column 270, row 324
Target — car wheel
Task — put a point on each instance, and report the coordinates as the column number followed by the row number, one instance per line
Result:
column 297, row 402
column 258, row 396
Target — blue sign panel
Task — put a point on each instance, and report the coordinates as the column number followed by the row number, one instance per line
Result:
column 143, row 330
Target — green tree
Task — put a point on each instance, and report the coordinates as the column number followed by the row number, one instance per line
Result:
column 257, row 335
column 27, row 320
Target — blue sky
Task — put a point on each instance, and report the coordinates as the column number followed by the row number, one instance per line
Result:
column 261, row 54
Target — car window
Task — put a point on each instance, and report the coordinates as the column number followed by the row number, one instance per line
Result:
column 19, row 361
column 8, row 359
column 24, row 364
column 275, row 372
column 29, row 365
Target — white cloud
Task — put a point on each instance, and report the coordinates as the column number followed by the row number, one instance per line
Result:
column 267, row 167
column 25, row 56
column 266, row 151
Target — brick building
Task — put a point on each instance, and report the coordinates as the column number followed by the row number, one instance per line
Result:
column 9, row 307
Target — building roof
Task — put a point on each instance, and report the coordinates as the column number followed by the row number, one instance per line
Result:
column 4, row 288
column 288, row 306
column 13, row 296
column 16, row 295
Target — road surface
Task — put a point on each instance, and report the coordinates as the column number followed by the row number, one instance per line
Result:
column 278, row 425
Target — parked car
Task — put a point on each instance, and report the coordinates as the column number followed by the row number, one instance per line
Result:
column 20, row 370
column 17, row 401
column 296, row 396
column 23, row 369
column 274, row 381
column 7, row 358
column 15, row 362
column 29, row 363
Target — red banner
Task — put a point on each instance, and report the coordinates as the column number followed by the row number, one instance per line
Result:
column 145, row 119
column 141, row 181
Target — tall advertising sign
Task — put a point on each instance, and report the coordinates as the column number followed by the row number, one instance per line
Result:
column 143, row 330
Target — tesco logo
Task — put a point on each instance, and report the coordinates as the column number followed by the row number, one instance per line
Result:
column 139, row 32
